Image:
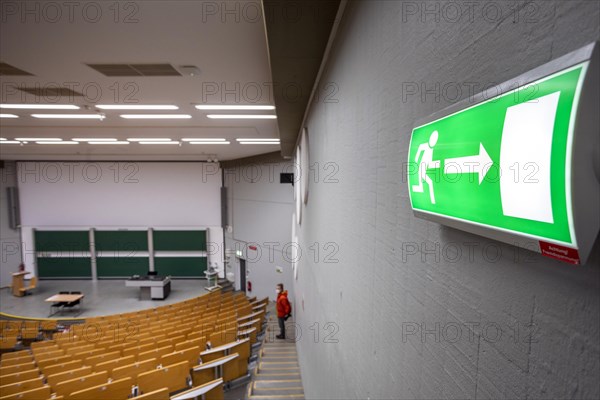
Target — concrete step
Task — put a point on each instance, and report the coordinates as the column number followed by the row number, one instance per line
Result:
column 285, row 391
column 279, row 350
column 278, row 367
column 278, row 397
column 276, row 376
column 280, row 383
column 278, row 364
column 284, row 358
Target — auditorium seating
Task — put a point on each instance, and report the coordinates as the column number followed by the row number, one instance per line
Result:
column 154, row 353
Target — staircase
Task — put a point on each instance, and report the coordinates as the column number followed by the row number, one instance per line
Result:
column 226, row 285
column 277, row 374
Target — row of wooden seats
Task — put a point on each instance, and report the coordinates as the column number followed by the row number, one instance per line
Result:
column 55, row 359
column 13, row 332
column 145, row 375
column 121, row 389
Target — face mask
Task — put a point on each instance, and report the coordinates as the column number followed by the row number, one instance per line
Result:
column 277, row 291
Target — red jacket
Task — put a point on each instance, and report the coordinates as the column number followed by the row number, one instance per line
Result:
column 283, row 304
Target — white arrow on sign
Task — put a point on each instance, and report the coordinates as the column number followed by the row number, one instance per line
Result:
column 479, row 164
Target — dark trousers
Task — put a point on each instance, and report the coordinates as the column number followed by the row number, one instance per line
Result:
column 281, row 326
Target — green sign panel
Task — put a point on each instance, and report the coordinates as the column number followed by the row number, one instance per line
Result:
column 504, row 163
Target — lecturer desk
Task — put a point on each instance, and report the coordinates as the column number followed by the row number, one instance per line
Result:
column 18, row 283
column 151, row 287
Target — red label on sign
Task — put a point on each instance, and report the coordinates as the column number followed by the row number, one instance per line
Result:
column 252, row 247
column 559, row 252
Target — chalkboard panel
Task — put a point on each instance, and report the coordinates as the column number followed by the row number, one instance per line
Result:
column 121, row 240
column 64, row 267
column 179, row 240
column 62, row 241
column 121, row 266
column 180, row 266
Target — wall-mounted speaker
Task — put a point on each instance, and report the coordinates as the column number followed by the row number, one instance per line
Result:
column 14, row 215
column 286, row 178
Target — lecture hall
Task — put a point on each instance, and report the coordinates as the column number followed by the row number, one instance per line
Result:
column 299, row 199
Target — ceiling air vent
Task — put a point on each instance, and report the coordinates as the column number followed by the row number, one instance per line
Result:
column 50, row 91
column 9, row 70
column 135, row 69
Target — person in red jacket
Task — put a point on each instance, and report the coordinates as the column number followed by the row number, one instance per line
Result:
column 284, row 309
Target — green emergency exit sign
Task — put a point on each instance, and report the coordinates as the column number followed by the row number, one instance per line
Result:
column 503, row 164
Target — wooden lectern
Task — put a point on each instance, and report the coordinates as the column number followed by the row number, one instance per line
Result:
column 18, row 283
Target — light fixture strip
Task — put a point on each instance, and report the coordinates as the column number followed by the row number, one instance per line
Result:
column 40, row 106
column 68, row 116
column 116, row 142
column 149, row 139
column 136, row 107
column 202, row 140
column 156, row 116
column 94, row 139
column 257, row 140
column 151, row 142
column 9, row 116
column 207, row 142
column 63, row 142
column 224, row 107
column 30, row 139
column 241, row 116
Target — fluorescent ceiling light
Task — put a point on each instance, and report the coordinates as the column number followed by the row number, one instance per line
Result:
column 240, row 116
column 94, row 139
column 136, row 107
column 154, row 142
column 63, row 142
column 33, row 139
column 149, row 139
column 156, row 116
column 3, row 138
column 40, row 106
column 209, row 142
column 116, row 142
column 8, row 116
column 259, row 143
column 69, row 116
column 257, row 140
column 233, row 107
column 203, row 140
column 9, row 142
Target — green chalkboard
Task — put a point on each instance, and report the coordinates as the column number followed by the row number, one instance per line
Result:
column 122, row 266
column 64, row 267
column 62, row 241
column 179, row 240
column 121, row 240
column 181, row 266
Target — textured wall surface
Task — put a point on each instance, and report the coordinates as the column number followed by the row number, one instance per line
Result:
column 259, row 211
column 464, row 316
column 10, row 248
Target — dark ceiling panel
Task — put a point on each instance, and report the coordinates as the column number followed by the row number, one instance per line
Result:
column 135, row 69
column 46, row 92
column 297, row 38
column 9, row 70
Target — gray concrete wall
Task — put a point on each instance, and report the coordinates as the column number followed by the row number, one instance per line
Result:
column 260, row 214
column 10, row 249
column 493, row 322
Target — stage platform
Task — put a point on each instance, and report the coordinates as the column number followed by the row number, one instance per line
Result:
column 102, row 297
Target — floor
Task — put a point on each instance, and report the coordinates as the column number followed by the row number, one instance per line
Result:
column 101, row 297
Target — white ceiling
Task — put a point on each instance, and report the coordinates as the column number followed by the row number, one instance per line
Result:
column 225, row 40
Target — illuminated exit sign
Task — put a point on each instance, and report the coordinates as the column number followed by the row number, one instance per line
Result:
column 518, row 167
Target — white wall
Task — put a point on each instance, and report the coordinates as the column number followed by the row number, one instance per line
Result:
column 260, row 213
column 10, row 248
column 79, row 195
column 546, row 312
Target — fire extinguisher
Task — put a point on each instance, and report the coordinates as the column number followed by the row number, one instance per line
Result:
column 249, row 286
